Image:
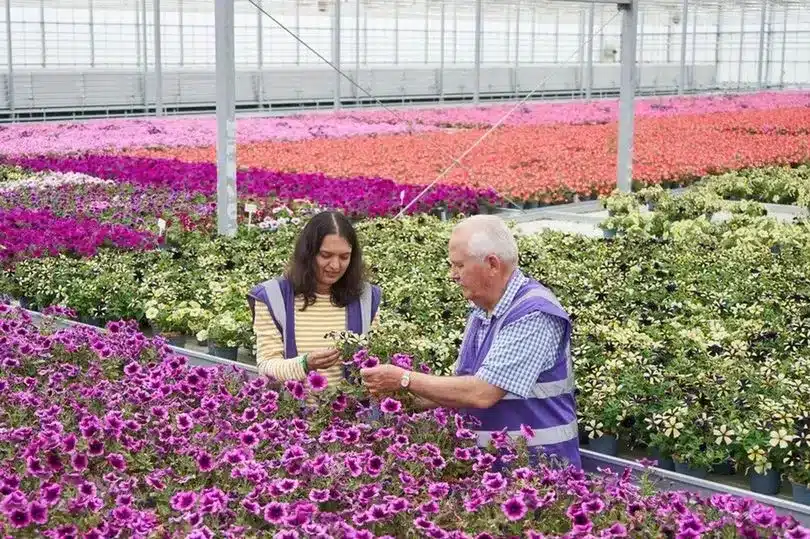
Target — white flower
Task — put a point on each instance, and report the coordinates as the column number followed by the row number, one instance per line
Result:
column 724, row 435
column 780, row 438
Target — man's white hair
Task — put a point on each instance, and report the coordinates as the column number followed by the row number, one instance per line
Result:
column 489, row 235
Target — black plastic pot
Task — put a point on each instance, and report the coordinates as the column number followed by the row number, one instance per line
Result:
column 225, row 352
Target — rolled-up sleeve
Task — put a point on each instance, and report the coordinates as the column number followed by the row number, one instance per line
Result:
column 521, row 351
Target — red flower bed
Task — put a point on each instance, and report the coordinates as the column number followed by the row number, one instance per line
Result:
column 545, row 162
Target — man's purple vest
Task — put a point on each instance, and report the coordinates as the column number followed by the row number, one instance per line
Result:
column 551, row 411
column 279, row 298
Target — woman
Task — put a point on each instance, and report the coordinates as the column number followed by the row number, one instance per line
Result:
column 323, row 290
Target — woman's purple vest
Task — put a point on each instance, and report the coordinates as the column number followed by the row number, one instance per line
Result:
column 551, row 411
column 279, row 298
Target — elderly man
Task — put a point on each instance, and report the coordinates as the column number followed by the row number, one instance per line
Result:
column 514, row 366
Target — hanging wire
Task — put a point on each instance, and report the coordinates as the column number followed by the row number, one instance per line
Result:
column 344, row 75
column 498, row 123
column 455, row 161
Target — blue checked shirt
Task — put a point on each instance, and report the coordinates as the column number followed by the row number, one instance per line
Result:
column 522, row 350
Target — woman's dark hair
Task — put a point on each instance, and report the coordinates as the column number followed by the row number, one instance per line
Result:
column 302, row 268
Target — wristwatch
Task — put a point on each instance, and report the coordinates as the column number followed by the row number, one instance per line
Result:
column 405, row 381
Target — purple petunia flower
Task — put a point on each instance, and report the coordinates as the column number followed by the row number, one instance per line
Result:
column 38, row 512
column 319, row 495
column 275, row 512
column 117, row 461
column 183, row 501
column 79, row 461
column 19, row 518
column 296, row 389
column 514, row 508
column 390, row 406
column 205, row 462
column 316, row 381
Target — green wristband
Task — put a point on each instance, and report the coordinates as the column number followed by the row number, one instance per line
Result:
column 304, row 364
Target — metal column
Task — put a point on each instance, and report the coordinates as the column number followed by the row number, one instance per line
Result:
column 356, row 45
column 624, row 169
column 761, row 59
column 784, row 45
column 158, row 61
column 144, row 38
column 260, row 55
column 137, row 33
column 640, row 65
column 297, row 31
column 742, row 46
column 582, row 69
column 336, row 51
column 427, row 31
column 181, row 33
column 769, row 47
column 9, row 51
column 441, row 52
column 556, row 34
column 684, row 27
column 226, row 117
column 92, row 28
column 589, row 66
column 396, row 31
column 479, row 38
column 516, row 82
column 42, row 31
column 718, row 38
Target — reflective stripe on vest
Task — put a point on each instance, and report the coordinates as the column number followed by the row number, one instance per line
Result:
column 547, row 436
column 365, row 308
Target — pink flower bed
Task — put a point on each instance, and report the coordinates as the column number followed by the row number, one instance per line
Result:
column 579, row 113
column 118, row 134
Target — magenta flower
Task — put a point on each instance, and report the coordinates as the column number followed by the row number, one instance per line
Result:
column 437, row 491
column 390, row 406
column 117, row 461
column 78, row 461
column 296, row 389
column 20, row 518
column 275, row 512
column 183, row 501
column 526, row 431
column 316, row 381
column 184, row 422
column 205, row 462
column 514, row 508
column 38, row 512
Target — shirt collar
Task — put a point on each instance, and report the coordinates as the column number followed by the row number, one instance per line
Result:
column 516, row 281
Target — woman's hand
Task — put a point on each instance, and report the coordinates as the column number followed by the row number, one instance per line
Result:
column 323, row 359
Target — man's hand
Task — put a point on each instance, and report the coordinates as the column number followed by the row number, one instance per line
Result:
column 382, row 379
column 323, row 359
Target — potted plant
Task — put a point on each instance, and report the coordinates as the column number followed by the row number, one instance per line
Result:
column 224, row 335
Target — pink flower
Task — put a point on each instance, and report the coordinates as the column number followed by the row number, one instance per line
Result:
column 514, row 508
column 390, row 406
column 183, row 501
column 316, row 381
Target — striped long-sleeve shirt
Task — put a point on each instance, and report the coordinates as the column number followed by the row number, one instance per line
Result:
column 311, row 327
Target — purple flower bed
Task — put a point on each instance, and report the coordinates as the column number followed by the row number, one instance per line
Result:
column 360, row 197
column 134, row 206
column 109, row 434
column 28, row 233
